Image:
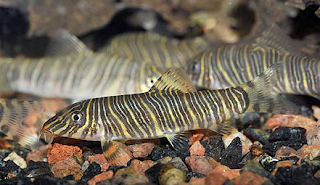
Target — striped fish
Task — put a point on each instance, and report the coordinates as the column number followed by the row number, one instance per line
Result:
column 76, row 73
column 13, row 114
column 234, row 64
column 172, row 107
column 163, row 51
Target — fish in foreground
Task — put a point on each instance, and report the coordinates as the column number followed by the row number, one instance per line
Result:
column 169, row 109
column 13, row 114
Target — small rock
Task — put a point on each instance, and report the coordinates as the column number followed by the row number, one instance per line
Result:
column 38, row 155
column 317, row 174
column 195, row 137
column 8, row 167
column 101, row 160
column 141, row 166
column 232, row 156
column 268, row 163
column 272, row 148
column 289, row 120
column 85, row 166
column 256, row 168
column 92, row 170
column 245, row 142
column 281, row 164
column 256, row 150
column 194, row 175
column 59, row 152
column 316, row 112
column 37, row 169
column 225, row 171
column 153, row 173
column 258, row 135
column 197, row 181
column 170, row 175
column 16, row 159
column 197, row 149
column 141, row 150
column 214, row 146
column 249, row 178
column 67, row 167
column 178, row 163
column 309, row 152
column 101, row 177
column 285, row 151
column 164, row 160
column 288, row 133
column 159, row 153
column 313, row 137
column 125, row 171
column 129, row 180
column 215, row 178
column 201, row 164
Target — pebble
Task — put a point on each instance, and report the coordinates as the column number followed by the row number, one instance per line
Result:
column 225, row 171
column 141, row 166
column 55, row 153
column 281, row 164
column 201, row 164
column 249, row 178
column 101, row 177
column 313, row 136
column 125, row 171
column 128, row 180
column 38, row 155
column 245, row 142
column 37, row 169
column 316, row 112
column 178, row 163
column 289, row 120
column 159, row 153
column 232, row 155
column 195, row 137
column 101, row 160
column 288, row 133
column 67, row 167
column 255, row 167
column 215, row 178
column 285, row 151
column 141, row 150
column 153, row 173
column 92, row 170
column 268, row 163
column 309, row 152
column 194, row 175
column 7, row 167
column 258, row 135
column 170, row 175
column 317, row 174
column 256, row 150
column 197, row 149
column 19, row 161
column 213, row 146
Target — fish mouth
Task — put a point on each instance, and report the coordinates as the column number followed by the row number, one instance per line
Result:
column 47, row 136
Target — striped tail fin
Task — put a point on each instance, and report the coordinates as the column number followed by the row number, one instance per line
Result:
column 13, row 121
column 261, row 96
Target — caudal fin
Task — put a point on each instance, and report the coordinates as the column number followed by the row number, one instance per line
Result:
column 261, row 96
column 13, row 121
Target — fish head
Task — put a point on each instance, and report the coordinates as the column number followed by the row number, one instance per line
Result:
column 74, row 122
column 149, row 74
column 201, row 74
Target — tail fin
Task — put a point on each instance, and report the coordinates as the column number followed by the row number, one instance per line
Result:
column 261, row 96
column 14, row 117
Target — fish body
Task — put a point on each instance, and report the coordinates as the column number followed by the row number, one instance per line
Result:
column 163, row 51
column 78, row 75
column 172, row 106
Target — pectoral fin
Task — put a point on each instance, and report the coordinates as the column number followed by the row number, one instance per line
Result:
column 225, row 127
column 179, row 141
column 115, row 152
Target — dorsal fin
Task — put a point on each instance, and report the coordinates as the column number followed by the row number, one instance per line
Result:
column 174, row 79
column 64, row 44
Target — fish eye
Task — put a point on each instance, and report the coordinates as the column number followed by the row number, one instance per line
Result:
column 196, row 68
column 151, row 80
column 77, row 117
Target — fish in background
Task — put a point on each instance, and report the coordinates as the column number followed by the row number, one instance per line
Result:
column 164, row 52
column 72, row 71
column 169, row 109
column 13, row 121
column 233, row 64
